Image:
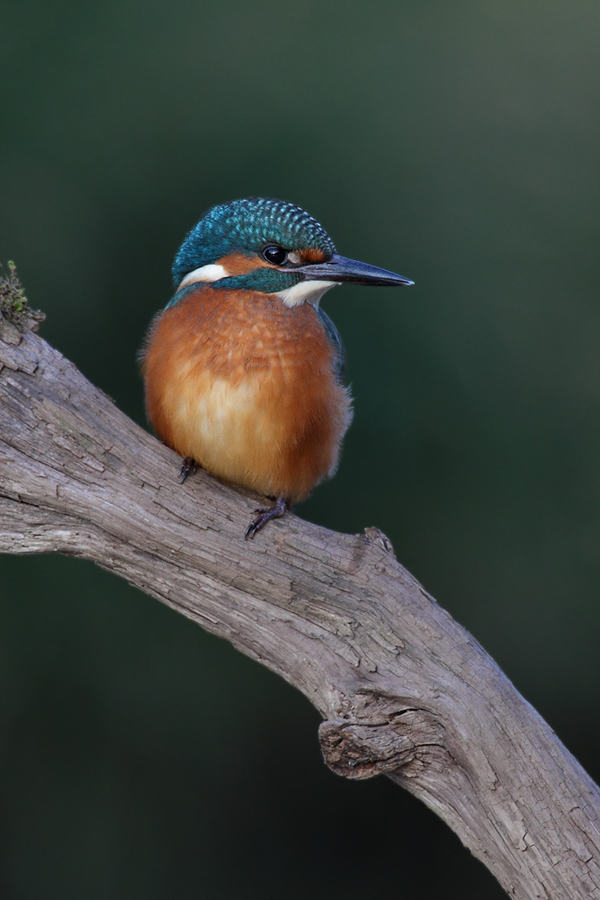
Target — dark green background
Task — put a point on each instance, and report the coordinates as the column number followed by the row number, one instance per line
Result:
column 456, row 143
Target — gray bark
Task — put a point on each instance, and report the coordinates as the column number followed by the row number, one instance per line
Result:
column 402, row 688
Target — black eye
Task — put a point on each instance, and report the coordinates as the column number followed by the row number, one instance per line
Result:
column 275, row 255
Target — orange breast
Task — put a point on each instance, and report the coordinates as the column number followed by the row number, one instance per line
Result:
column 246, row 386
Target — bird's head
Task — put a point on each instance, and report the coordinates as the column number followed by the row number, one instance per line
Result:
column 269, row 246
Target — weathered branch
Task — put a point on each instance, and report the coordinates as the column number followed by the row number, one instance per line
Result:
column 403, row 689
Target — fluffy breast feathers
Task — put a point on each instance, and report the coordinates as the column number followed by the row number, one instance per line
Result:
column 247, row 387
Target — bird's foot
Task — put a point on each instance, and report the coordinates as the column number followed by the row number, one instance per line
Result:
column 188, row 467
column 265, row 515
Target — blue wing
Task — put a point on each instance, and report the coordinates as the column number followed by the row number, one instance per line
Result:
column 336, row 343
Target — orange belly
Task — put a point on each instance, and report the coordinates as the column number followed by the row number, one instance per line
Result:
column 246, row 386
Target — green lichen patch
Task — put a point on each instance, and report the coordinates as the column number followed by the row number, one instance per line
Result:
column 16, row 316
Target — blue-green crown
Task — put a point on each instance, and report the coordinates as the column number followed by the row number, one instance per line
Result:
column 248, row 226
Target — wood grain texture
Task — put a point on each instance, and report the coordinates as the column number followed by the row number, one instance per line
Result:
column 402, row 688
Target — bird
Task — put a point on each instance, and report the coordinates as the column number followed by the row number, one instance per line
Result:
column 243, row 370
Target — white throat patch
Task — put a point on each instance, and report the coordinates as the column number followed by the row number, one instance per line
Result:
column 206, row 274
column 305, row 292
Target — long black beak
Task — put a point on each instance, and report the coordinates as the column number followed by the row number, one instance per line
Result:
column 340, row 269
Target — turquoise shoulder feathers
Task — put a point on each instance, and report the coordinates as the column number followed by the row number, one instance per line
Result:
column 335, row 341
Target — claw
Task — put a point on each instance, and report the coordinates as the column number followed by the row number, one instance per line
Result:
column 265, row 515
column 188, row 467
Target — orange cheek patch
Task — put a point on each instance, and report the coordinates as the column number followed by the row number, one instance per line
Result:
column 240, row 264
column 311, row 255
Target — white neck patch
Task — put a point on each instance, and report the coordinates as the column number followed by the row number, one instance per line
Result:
column 206, row 274
column 305, row 292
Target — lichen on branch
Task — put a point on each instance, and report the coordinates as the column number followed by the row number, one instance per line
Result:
column 16, row 316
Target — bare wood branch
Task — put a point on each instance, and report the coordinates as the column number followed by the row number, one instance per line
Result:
column 402, row 688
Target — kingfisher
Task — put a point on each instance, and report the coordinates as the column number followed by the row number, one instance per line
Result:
column 243, row 370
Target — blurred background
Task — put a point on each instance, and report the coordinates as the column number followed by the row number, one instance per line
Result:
column 455, row 143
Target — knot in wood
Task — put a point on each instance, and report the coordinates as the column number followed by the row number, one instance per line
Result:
column 360, row 750
column 374, row 535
